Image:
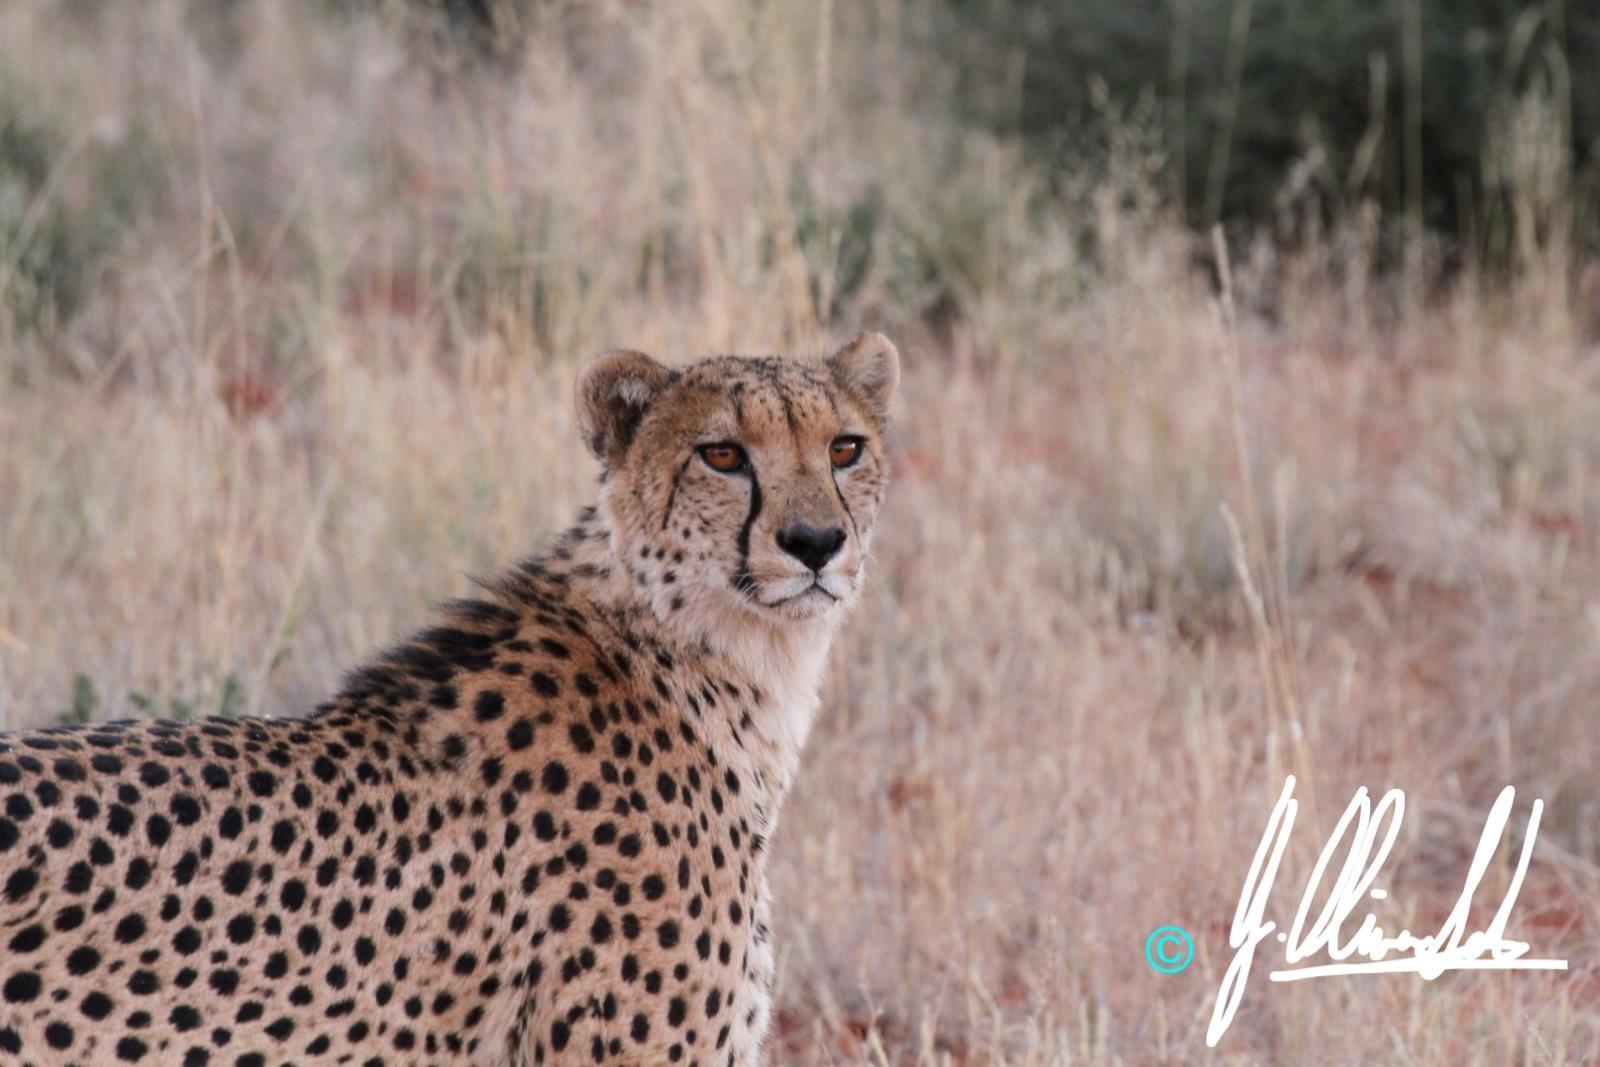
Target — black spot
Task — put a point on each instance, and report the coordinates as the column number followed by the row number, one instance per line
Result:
column 82, row 961
column 21, row 883
column 588, row 797
column 283, row 836
column 489, row 706
column 241, row 928
column 130, row 929
column 28, row 938
column 21, row 987
column 185, row 809
column 554, row 777
column 20, row 808
column 520, row 736
column 59, row 834
column 581, row 738
column 58, row 1035
column 236, row 879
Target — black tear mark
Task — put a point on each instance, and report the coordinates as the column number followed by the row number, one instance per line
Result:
column 834, row 478
column 742, row 579
column 672, row 496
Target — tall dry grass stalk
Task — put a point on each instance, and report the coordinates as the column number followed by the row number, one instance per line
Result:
column 321, row 376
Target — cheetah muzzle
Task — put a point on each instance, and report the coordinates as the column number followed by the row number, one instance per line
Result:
column 536, row 832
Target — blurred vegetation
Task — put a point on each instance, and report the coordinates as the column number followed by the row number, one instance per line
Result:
column 1477, row 121
column 1267, row 105
column 67, row 198
column 84, row 705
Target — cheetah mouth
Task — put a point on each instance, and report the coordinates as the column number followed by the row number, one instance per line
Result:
column 816, row 586
column 805, row 597
column 794, row 595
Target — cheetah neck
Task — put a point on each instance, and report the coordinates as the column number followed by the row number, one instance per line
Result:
column 781, row 663
column 785, row 664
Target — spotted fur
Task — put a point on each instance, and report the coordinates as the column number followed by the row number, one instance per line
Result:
column 536, row 832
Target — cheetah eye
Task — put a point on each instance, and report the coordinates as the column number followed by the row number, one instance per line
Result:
column 723, row 456
column 845, row 451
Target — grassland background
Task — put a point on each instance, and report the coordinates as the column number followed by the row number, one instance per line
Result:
column 291, row 299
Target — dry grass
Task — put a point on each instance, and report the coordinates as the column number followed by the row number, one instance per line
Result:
column 324, row 374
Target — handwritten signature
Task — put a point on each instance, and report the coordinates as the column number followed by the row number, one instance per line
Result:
column 1371, row 832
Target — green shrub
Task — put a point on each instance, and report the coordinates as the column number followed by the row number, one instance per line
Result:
column 67, row 197
column 85, row 701
column 1259, row 96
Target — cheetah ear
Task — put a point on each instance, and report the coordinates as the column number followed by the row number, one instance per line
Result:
column 614, row 392
column 868, row 368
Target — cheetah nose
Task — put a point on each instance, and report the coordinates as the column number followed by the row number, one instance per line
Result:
column 812, row 545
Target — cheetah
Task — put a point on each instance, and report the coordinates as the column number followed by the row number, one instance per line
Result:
column 536, row 832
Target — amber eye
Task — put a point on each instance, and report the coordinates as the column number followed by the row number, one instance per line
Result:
column 845, row 451
column 724, row 456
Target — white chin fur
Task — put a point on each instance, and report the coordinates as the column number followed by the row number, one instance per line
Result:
column 782, row 647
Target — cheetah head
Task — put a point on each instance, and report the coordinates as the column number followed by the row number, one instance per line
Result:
column 742, row 492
